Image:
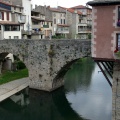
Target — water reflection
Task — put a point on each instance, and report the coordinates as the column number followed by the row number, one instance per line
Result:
column 90, row 95
column 86, row 95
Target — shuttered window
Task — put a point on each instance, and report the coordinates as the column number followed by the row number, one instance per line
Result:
column 2, row 15
column 118, row 42
column 7, row 15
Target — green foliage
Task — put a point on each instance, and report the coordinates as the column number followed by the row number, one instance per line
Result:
column 20, row 65
column 58, row 36
column 10, row 76
column 89, row 36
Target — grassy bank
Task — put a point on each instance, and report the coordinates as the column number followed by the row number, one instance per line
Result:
column 10, row 76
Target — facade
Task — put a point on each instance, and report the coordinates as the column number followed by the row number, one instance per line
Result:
column 41, row 27
column 22, row 14
column 105, row 31
column 8, row 28
column 106, row 45
column 85, row 21
column 60, row 28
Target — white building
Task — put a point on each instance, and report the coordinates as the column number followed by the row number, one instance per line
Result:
column 8, row 28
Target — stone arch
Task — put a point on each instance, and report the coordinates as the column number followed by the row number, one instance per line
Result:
column 3, row 59
column 59, row 78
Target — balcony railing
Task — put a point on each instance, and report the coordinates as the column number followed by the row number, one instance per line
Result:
column 26, row 32
column 45, row 26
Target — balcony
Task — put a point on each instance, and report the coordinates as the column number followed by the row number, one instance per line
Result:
column 37, row 26
column 84, row 31
column 26, row 32
column 37, row 32
column 64, row 31
column 45, row 26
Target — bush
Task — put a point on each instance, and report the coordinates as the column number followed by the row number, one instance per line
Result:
column 20, row 65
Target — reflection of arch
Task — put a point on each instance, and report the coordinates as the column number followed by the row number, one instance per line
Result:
column 60, row 75
column 63, row 106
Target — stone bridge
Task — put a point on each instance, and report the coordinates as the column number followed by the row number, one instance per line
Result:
column 47, row 60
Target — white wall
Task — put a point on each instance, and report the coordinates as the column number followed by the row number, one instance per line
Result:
column 12, row 34
column 27, row 11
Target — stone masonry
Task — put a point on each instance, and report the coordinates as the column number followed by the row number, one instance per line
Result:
column 47, row 60
column 116, row 92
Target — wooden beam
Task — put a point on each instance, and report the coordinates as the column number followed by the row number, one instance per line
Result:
column 104, row 73
column 108, row 71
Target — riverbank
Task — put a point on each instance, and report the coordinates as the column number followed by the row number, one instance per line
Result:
column 10, row 75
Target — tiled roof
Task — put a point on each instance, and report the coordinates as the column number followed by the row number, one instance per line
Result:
column 79, row 6
column 71, row 10
column 63, row 25
column 8, row 23
column 56, row 10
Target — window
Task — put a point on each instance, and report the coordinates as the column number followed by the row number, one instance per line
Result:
column 64, row 21
column 118, row 42
column 54, row 21
column 9, row 37
column 16, row 37
column 51, row 24
column 0, row 15
column 61, row 21
column 7, row 15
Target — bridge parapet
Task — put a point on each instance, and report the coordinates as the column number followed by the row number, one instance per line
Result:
column 47, row 59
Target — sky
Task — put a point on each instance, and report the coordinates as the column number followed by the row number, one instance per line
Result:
column 63, row 3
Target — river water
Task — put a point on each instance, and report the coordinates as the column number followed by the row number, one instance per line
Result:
column 86, row 95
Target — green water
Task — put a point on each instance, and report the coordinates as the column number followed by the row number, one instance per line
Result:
column 85, row 96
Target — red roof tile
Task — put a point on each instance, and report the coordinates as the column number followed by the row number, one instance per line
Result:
column 71, row 10
column 56, row 10
column 79, row 6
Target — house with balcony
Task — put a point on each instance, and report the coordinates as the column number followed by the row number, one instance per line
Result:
column 47, row 24
column 72, row 19
column 84, row 22
column 60, row 27
column 8, row 28
column 21, row 10
column 37, row 20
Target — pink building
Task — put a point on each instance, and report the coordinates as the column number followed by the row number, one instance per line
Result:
column 105, row 34
column 106, row 28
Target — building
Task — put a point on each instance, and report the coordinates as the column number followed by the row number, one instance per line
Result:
column 41, row 27
column 106, row 31
column 8, row 29
column 60, row 27
column 85, row 21
column 22, row 9
column 106, row 45
column 57, row 18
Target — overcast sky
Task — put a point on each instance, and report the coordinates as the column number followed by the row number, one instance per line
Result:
column 63, row 3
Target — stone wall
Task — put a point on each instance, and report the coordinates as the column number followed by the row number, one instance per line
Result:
column 46, row 59
column 116, row 93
